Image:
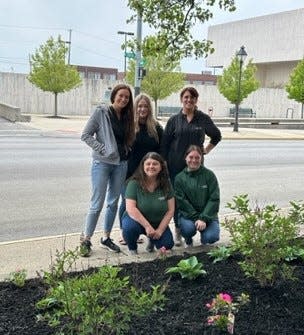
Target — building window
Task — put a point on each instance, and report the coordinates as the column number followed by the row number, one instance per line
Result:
column 94, row 75
column 209, row 82
column 109, row 76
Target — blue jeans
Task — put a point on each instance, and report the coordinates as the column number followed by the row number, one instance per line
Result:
column 131, row 230
column 107, row 180
column 209, row 235
column 122, row 206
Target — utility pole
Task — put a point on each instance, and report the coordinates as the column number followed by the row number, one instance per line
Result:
column 69, row 42
column 138, row 54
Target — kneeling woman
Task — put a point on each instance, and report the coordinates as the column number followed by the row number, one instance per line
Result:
column 198, row 199
column 149, row 205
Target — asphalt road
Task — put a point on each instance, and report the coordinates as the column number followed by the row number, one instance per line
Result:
column 45, row 179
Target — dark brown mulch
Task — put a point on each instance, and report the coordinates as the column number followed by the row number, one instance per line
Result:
column 274, row 310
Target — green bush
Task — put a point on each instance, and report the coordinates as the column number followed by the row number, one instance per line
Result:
column 263, row 237
column 99, row 303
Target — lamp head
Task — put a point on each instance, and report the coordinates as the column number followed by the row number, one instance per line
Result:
column 242, row 54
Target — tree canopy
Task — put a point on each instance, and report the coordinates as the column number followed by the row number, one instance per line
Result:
column 49, row 70
column 162, row 79
column 228, row 82
column 295, row 85
column 173, row 21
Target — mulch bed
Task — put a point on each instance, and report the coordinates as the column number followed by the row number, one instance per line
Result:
column 274, row 310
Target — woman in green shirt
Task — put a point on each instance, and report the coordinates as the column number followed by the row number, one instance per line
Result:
column 149, row 204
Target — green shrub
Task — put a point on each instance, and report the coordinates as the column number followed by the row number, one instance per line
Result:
column 99, row 303
column 263, row 237
column 188, row 268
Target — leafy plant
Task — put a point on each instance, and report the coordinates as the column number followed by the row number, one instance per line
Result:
column 294, row 252
column 18, row 277
column 188, row 268
column 223, row 311
column 163, row 253
column 220, row 253
column 64, row 263
column 99, row 303
column 262, row 236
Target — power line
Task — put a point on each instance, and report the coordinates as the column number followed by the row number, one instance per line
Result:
column 94, row 52
column 30, row 27
column 96, row 37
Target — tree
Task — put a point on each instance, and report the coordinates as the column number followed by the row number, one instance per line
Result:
column 231, row 87
column 173, row 20
column 162, row 78
column 49, row 70
column 295, row 86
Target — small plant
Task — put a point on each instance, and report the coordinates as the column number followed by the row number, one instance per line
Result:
column 99, row 303
column 188, row 268
column 220, row 253
column 223, row 311
column 18, row 277
column 64, row 262
column 294, row 252
column 163, row 253
column 262, row 236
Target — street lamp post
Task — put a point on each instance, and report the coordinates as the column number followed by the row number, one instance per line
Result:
column 126, row 33
column 241, row 56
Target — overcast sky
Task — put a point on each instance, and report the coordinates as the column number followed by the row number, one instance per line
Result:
column 26, row 24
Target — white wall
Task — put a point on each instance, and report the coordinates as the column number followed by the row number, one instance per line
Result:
column 269, row 38
column 16, row 90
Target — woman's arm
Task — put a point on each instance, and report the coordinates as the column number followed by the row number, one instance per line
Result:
column 136, row 215
column 166, row 219
column 89, row 130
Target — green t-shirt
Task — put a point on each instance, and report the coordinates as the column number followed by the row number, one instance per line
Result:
column 152, row 205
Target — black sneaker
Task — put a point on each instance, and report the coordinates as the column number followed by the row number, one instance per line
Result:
column 109, row 245
column 85, row 248
column 150, row 246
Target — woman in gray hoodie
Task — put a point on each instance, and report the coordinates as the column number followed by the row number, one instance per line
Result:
column 110, row 133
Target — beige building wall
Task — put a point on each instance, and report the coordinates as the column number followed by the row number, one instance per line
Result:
column 16, row 90
column 274, row 42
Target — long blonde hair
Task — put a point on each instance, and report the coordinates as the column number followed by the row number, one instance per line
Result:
column 151, row 123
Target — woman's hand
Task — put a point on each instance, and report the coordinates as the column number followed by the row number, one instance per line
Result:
column 150, row 231
column 200, row 225
column 157, row 234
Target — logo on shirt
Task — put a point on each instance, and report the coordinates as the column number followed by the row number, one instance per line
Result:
column 161, row 198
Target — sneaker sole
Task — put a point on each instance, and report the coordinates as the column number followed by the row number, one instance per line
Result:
column 106, row 247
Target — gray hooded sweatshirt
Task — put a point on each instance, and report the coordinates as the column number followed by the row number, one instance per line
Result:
column 98, row 134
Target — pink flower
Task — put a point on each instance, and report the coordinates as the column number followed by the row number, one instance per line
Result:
column 226, row 297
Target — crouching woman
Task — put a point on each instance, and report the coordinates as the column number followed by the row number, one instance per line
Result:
column 198, row 199
column 149, row 205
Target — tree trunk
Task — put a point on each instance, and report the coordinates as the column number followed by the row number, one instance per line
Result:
column 55, row 115
column 155, row 109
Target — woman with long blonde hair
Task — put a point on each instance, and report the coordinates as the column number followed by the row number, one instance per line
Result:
column 148, row 136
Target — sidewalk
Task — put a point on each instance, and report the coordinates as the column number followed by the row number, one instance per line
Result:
column 75, row 124
column 37, row 254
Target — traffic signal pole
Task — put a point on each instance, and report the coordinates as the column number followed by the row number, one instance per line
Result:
column 138, row 55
